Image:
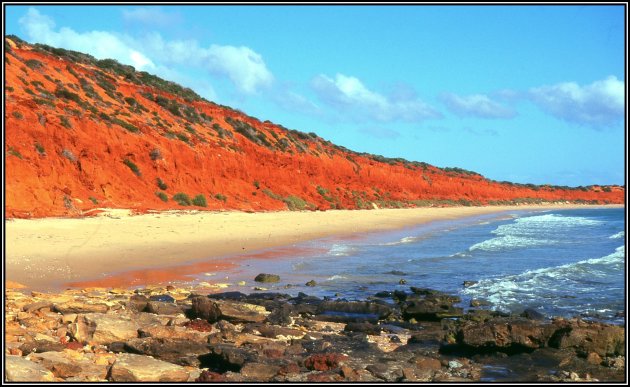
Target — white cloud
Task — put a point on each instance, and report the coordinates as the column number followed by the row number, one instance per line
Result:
column 244, row 67
column 597, row 105
column 350, row 97
column 151, row 16
column 476, row 105
column 100, row 44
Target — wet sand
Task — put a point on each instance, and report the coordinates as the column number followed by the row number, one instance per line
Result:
column 51, row 253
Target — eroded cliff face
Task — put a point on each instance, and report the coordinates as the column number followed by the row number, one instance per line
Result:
column 83, row 134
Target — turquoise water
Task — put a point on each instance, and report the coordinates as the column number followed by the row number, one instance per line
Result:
column 560, row 262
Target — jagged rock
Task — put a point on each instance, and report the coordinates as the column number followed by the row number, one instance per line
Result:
column 311, row 283
column 104, row 328
column 79, row 307
column 476, row 303
column 267, row 278
column 58, row 364
column 431, row 310
column 40, row 346
column 209, row 376
column 281, row 315
column 35, row 306
column 386, row 372
column 234, row 296
column 231, row 358
column 138, row 368
column 259, row 372
column 206, row 309
column 585, row 337
column 162, row 307
column 178, row 351
column 19, row 369
column 503, row 333
column 533, row 314
column 242, row 312
column 370, row 329
column 137, row 303
column 352, row 311
column 470, row 283
column 324, row 362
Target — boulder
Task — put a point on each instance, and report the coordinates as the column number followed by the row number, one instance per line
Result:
column 178, row 351
column 205, row 309
column 163, row 307
column 259, row 372
column 505, row 333
column 586, row 337
column 104, row 328
column 242, row 312
column 19, row 369
column 139, row 368
column 137, row 303
column 431, row 309
column 267, row 278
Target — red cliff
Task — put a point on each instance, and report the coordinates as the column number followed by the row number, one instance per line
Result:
column 83, row 134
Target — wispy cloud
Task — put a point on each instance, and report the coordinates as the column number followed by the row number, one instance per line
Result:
column 244, row 67
column 597, row 105
column 476, row 105
column 100, row 44
column 352, row 99
column 152, row 15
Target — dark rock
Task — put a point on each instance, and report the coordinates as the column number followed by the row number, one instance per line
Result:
column 383, row 294
column 40, row 346
column 176, row 351
column 324, row 377
column 430, row 310
column 311, row 283
column 137, row 303
column 162, row 298
column 476, row 303
column 324, row 362
column 267, row 278
column 355, row 307
column 234, row 296
column 161, row 307
column 396, row 272
column 400, row 295
column 206, row 309
column 226, row 357
column 395, row 339
column 116, row 347
column 402, row 281
column 274, row 331
column 470, row 283
column 425, row 291
column 281, row 315
column 370, row 329
column 532, row 314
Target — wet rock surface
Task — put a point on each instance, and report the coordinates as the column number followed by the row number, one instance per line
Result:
column 174, row 335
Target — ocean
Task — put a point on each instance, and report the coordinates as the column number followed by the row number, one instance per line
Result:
column 560, row 262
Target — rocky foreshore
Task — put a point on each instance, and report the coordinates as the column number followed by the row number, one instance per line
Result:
column 175, row 335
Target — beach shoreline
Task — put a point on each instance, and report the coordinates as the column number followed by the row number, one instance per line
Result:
column 49, row 253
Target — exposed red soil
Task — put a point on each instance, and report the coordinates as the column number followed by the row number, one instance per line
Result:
column 65, row 155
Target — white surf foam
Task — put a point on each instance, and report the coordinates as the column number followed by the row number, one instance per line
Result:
column 619, row 235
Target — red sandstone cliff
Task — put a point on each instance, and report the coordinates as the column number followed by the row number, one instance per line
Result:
column 83, row 134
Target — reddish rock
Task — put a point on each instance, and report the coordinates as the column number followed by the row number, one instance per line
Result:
column 289, row 369
column 325, row 377
column 324, row 362
column 199, row 325
column 210, row 377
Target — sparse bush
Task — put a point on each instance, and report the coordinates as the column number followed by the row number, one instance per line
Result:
column 256, row 184
column 134, row 168
column 69, row 155
column 199, row 201
column 606, row 189
column 220, row 197
column 15, row 152
column 296, row 203
column 130, row 127
column 65, row 122
column 34, row 64
column 162, row 196
column 155, row 154
column 93, row 200
column 18, row 115
column 40, row 149
column 272, row 194
column 161, row 184
column 182, row 199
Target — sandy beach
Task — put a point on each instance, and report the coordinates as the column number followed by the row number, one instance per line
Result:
column 50, row 253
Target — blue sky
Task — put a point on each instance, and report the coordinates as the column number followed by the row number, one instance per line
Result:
column 530, row 94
